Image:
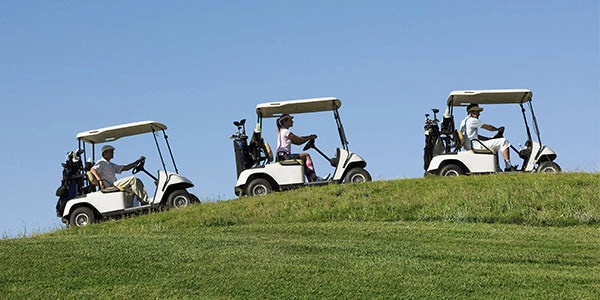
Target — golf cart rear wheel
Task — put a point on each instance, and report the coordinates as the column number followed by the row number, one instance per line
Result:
column 357, row 175
column 259, row 186
column 179, row 199
column 451, row 170
column 82, row 216
column 548, row 167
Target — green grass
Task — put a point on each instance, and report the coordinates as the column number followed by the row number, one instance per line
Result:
column 517, row 236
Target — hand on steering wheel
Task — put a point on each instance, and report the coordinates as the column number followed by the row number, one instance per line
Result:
column 500, row 133
column 309, row 144
column 139, row 166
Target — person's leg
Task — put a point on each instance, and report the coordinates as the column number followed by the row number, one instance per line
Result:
column 310, row 169
column 133, row 185
column 506, row 154
column 308, row 160
column 505, row 148
column 501, row 145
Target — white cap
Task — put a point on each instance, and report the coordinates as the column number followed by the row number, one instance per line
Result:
column 107, row 147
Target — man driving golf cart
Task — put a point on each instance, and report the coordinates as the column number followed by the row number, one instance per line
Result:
column 453, row 152
column 469, row 127
column 81, row 202
column 103, row 175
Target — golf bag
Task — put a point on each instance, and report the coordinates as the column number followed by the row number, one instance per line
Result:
column 249, row 154
column 432, row 138
column 433, row 143
column 447, row 132
column 72, row 183
column 243, row 152
column 243, row 159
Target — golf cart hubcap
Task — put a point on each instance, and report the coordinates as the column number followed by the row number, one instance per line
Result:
column 82, row 219
column 180, row 201
column 358, row 178
column 259, row 190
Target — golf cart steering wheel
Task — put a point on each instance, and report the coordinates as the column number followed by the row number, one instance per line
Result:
column 309, row 144
column 500, row 133
column 139, row 166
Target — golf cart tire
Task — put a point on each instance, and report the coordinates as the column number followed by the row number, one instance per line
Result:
column 82, row 216
column 179, row 199
column 195, row 198
column 259, row 187
column 451, row 170
column 549, row 167
column 357, row 175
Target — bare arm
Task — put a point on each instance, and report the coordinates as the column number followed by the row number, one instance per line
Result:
column 489, row 127
column 131, row 165
column 299, row 140
column 95, row 174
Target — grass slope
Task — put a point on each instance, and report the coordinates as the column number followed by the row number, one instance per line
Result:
column 495, row 237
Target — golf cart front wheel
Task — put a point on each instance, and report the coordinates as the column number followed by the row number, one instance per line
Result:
column 82, row 216
column 549, row 167
column 451, row 170
column 259, row 186
column 357, row 175
column 179, row 199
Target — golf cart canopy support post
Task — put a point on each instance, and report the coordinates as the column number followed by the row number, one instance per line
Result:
column 158, row 147
column 170, row 152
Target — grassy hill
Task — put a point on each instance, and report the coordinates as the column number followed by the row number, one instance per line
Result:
column 512, row 236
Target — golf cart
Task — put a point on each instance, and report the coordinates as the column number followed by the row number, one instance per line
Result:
column 80, row 202
column 445, row 154
column 258, row 174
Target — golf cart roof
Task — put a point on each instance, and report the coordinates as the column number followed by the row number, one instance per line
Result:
column 464, row 98
column 276, row 109
column 108, row 134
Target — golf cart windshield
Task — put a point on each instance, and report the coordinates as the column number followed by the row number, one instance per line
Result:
column 113, row 133
column 464, row 98
column 276, row 109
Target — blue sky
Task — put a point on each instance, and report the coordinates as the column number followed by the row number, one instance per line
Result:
column 72, row 66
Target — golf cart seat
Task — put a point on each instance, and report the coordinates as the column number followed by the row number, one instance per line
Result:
column 288, row 162
column 459, row 142
column 93, row 181
column 268, row 151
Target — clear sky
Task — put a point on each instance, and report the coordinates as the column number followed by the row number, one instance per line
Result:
column 71, row 66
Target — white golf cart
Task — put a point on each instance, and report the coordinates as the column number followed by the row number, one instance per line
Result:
column 445, row 153
column 258, row 174
column 80, row 204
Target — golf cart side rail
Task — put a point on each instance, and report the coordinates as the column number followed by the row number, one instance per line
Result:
column 506, row 96
column 276, row 109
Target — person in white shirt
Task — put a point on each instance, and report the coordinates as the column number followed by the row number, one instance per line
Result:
column 285, row 139
column 104, row 170
column 470, row 128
